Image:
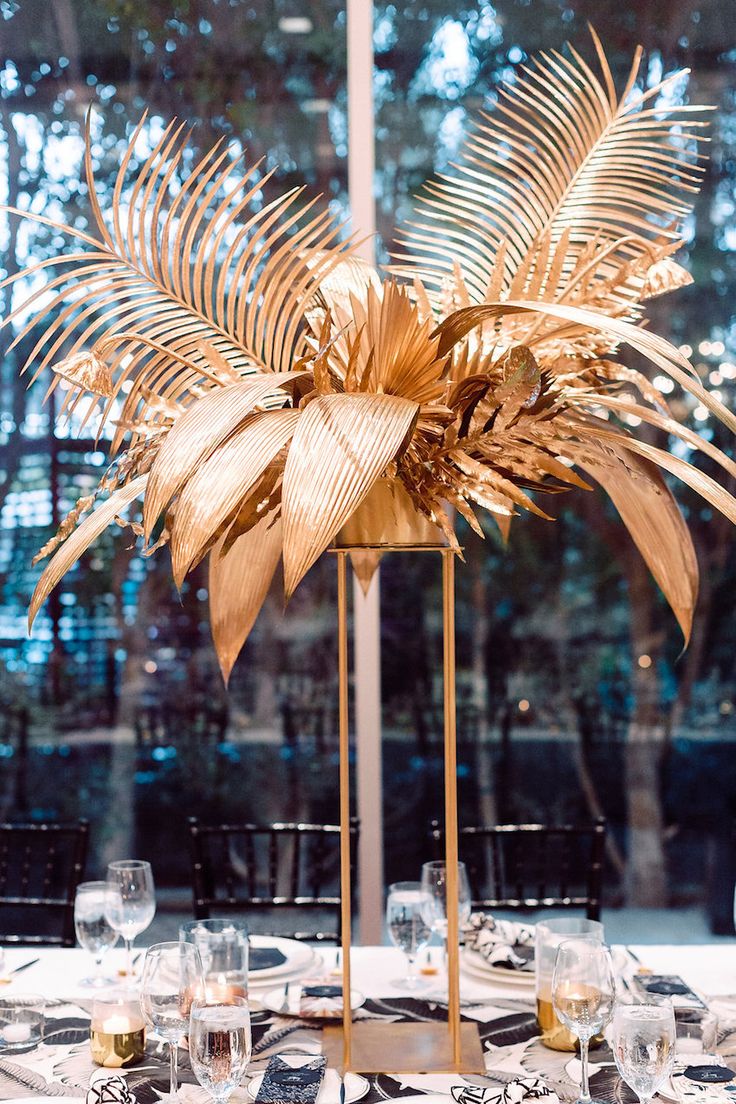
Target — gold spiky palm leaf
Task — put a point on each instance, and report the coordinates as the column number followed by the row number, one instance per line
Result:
column 567, row 192
column 179, row 294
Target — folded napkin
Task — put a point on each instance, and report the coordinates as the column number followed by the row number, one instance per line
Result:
column 112, row 1089
column 495, row 940
column 516, row 1091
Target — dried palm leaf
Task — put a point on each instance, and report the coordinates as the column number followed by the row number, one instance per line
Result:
column 341, row 446
column 239, row 579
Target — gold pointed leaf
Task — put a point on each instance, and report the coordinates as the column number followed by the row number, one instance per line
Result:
column 198, row 432
column 341, row 447
column 80, row 539
column 364, row 562
column 651, row 515
column 221, row 483
column 239, row 579
column 86, row 370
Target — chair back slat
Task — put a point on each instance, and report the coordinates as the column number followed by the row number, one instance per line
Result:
column 41, row 865
column 271, row 867
column 532, row 866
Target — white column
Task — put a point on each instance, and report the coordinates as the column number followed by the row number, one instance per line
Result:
column 366, row 608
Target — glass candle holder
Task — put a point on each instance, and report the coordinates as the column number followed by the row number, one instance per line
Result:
column 117, row 1034
column 223, row 948
column 21, row 1022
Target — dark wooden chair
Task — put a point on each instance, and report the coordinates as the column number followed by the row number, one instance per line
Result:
column 533, row 866
column 277, row 870
column 41, row 865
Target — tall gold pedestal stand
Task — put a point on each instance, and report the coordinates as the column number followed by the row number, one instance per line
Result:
column 368, row 1046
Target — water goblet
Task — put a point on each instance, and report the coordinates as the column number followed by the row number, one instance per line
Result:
column 583, row 994
column 434, row 884
column 406, row 916
column 130, row 901
column 93, row 929
column 644, row 1040
column 219, row 1045
column 171, row 980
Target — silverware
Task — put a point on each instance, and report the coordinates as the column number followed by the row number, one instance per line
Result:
column 19, row 969
column 342, row 1090
column 285, row 1002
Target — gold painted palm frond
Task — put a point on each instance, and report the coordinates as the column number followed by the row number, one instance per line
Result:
column 195, row 282
column 281, row 392
column 567, row 192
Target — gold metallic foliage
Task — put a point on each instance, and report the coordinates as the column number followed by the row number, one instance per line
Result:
column 271, row 392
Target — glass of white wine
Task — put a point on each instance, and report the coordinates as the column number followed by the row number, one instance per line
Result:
column 92, row 928
column 130, row 901
column 583, row 994
column 219, row 1045
column 644, row 1038
column 406, row 916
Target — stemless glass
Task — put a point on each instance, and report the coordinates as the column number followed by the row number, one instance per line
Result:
column 434, row 884
column 130, row 901
column 407, row 906
column 583, row 992
column 644, row 1038
column 172, row 979
column 92, row 927
column 219, row 1045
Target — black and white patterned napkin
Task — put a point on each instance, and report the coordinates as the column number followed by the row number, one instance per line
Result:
column 503, row 943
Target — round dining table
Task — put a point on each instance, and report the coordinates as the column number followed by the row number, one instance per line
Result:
column 504, row 1010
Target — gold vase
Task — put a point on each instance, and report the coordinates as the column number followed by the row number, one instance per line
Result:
column 388, row 518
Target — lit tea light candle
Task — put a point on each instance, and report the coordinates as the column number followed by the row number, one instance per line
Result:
column 16, row 1032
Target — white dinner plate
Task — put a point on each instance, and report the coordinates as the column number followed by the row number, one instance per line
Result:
column 299, row 957
column 479, row 967
column 355, row 1088
column 274, row 1000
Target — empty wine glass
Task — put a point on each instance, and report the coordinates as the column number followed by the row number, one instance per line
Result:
column 644, row 1038
column 94, row 932
column 434, row 884
column 407, row 906
column 583, row 992
column 130, row 901
column 219, row 1045
column 172, row 979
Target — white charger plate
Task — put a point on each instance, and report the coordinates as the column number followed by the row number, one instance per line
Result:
column 273, row 1001
column 299, row 957
column 479, row 967
column 329, row 1093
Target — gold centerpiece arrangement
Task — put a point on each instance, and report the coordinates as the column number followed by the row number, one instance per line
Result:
column 272, row 394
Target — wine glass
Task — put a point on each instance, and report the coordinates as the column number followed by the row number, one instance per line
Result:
column 94, row 932
column 130, row 902
column 583, row 992
column 172, row 979
column 406, row 916
column 219, row 1045
column 644, row 1038
column 434, row 884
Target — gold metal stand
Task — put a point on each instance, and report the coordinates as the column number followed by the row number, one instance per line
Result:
column 371, row 1046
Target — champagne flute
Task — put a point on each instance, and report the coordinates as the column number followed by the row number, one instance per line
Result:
column 583, row 992
column 94, row 932
column 219, row 1045
column 434, row 884
column 172, row 979
column 644, row 1038
column 130, row 902
column 406, row 916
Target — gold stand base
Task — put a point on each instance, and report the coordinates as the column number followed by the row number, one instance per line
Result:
column 404, row 1048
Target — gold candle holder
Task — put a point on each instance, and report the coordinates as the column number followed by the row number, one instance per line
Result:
column 117, row 1034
